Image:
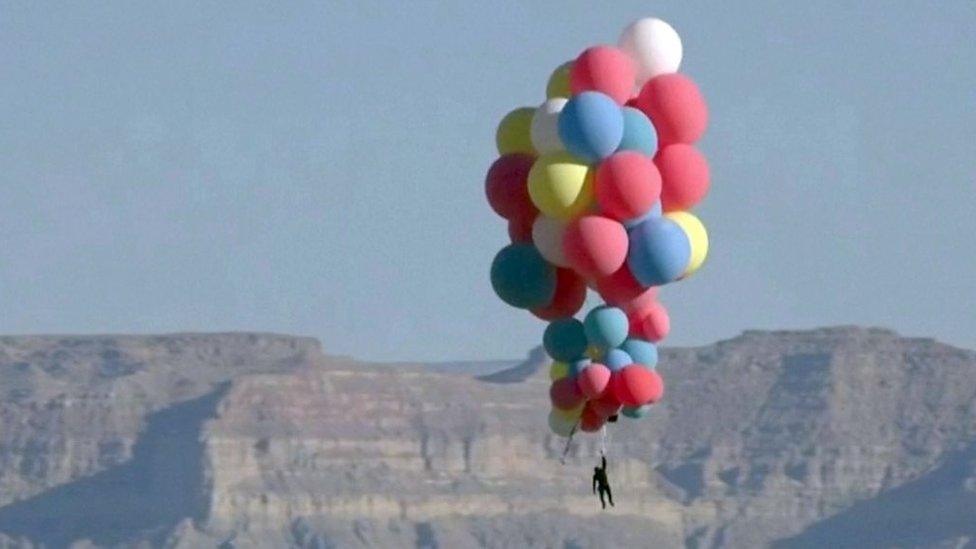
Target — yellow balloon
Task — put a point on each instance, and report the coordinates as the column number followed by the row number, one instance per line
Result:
column 697, row 235
column 594, row 353
column 558, row 85
column 560, row 185
column 570, row 415
column 514, row 132
column 558, row 370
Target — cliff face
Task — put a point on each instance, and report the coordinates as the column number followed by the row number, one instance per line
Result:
column 828, row 437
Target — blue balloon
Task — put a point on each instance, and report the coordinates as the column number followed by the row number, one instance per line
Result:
column 636, row 412
column 656, row 211
column 643, row 352
column 616, row 359
column 591, row 126
column 639, row 133
column 659, row 251
column 522, row 278
column 577, row 366
column 565, row 340
column 606, row 326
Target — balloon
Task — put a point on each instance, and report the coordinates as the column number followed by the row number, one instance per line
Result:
column 591, row 126
column 560, row 425
column 627, row 185
column 593, row 380
column 607, row 405
column 513, row 134
column 567, row 300
column 573, row 414
column 522, row 278
column 558, row 85
column 507, row 187
column 565, row 340
column 636, row 412
column 643, row 352
column 520, row 231
column 578, row 366
column 595, row 246
column 545, row 126
column 697, row 236
column 560, row 186
column 616, row 359
column 558, row 370
column 656, row 211
column 652, row 324
column 547, row 235
column 659, row 252
column 684, row 176
column 639, row 134
column 621, row 287
column 565, row 394
column 636, row 385
column 654, row 46
column 594, row 352
column 604, row 69
column 676, row 107
column 590, row 421
column 606, row 326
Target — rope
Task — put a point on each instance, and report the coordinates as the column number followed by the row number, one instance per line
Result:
column 569, row 441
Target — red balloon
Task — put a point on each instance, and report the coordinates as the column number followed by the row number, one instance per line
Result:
column 627, row 185
column 564, row 394
column 595, row 246
column 568, row 299
column 637, row 385
column 593, row 380
column 520, row 230
column 604, row 69
column 651, row 322
column 676, row 107
column 684, row 176
column 608, row 404
column 621, row 287
column 590, row 421
column 507, row 187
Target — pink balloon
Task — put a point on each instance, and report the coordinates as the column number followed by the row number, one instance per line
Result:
column 651, row 323
column 507, row 187
column 620, row 288
column 676, row 107
column 595, row 246
column 627, row 185
column 637, row 385
column 684, row 176
column 604, row 69
column 590, row 421
column 593, row 380
column 608, row 404
column 565, row 394
column 568, row 299
column 520, row 230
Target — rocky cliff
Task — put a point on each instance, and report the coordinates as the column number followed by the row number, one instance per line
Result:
column 835, row 437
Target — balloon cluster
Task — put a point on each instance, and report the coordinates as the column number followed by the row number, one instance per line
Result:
column 596, row 184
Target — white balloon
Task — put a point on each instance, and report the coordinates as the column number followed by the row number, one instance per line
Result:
column 547, row 235
column 654, row 46
column 545, row 126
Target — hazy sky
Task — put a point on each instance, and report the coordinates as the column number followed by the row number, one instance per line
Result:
column 319, row 169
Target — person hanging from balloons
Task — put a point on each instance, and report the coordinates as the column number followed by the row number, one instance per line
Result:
column 601, row 483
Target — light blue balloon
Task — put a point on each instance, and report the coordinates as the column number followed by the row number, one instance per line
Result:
column 591, row 126
column 659, row 251
column 606, row 326
column 616, row 359
column 577, row 366
column 565, row 340
column 655, row 211
column 639, row 133
column 643, row 352
column 636, row 412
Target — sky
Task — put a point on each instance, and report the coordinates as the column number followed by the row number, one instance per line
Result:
column 318, row 169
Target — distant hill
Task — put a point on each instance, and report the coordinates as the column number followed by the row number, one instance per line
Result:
column 839, row 437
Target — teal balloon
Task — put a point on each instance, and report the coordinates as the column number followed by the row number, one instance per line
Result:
column 577, row 366
column 659, row 251
column 639, row 133
column 565, row 340
column 643, row 352
column 636, row 412
column 606, row 326
column 616, row 359
column 522, row 278
column 591, row 126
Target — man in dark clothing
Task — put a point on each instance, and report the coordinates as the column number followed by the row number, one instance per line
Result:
column 600, row 482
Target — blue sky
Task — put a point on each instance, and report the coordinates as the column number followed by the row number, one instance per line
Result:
column 318, row 169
